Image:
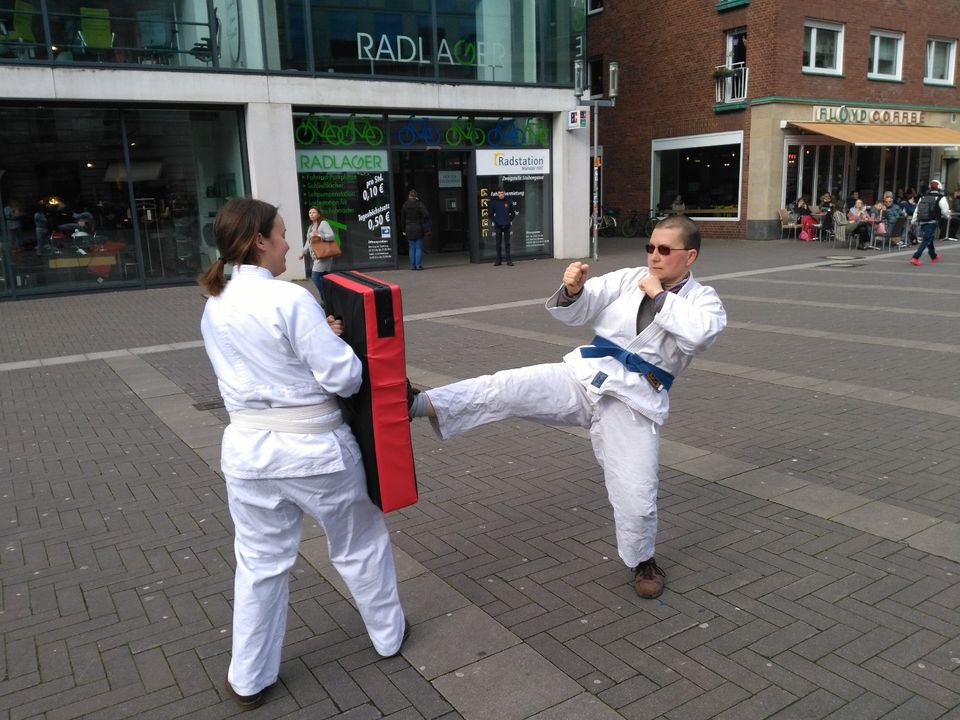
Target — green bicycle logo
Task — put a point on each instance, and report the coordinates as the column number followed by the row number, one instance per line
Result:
column 313, row 129
column 464, row 131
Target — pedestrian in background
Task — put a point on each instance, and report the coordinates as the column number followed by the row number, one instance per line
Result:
column 415, row 221
column 502, row 212
column 953, row 226
column 319, row 227
column 280, row 367
column 931, row 208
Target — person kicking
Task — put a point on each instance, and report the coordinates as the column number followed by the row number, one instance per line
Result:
column 649, row 323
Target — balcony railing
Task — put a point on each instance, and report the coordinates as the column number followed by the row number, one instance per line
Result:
column 731, row 82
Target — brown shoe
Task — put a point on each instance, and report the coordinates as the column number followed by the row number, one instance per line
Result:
column 248, row 702
column 648, row 579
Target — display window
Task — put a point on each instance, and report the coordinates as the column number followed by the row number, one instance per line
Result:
column 100, row 197
column 699, row 176
column 358, row 170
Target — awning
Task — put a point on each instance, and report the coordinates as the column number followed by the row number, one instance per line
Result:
column 906, row 135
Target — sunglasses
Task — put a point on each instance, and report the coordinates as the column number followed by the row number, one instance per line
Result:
column 664, row 250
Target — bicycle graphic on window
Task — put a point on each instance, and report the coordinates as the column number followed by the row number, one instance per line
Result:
column 313, row 129
column 414, row 130
column 464, row 131
column 504, row 133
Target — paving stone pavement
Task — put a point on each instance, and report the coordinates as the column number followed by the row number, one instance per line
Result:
column 809, row 505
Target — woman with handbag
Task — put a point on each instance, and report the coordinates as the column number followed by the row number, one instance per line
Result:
column 280, row 368
column 318, row 227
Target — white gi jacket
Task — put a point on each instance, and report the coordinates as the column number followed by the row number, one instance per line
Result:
column 688, row 323
column 254, row 321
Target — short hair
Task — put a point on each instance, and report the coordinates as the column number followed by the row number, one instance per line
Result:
column 887, row 194
column 689, row 232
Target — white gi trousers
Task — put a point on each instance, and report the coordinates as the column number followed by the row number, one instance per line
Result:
column 625, row 442
column 267, row 517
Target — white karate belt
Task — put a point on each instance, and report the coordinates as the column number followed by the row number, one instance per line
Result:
column 290, row 419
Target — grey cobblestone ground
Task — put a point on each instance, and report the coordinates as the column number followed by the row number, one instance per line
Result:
column 810, row 515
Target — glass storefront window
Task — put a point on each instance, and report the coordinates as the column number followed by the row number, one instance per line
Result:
column 104, row 196
column 176, row 33
column 503, row 41
column 499, row 41
column 21, row 32
column 705, row 178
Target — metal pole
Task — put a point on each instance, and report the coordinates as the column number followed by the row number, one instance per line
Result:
column 596, row 185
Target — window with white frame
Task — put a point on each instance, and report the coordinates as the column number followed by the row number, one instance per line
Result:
column 886, row 55
column 594, row 6
column 703, row 172
column 941, row 58
column 822, row 47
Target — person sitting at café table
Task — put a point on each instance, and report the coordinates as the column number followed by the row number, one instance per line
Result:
column 862, row 224
column 852, row 200
column 890, row 212
column 802, row 212
column 827, row 209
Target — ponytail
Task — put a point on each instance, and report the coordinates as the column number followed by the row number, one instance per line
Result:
column 213, row 280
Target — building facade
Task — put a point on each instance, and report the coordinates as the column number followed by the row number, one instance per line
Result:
column 126, row 126
column 732, row 109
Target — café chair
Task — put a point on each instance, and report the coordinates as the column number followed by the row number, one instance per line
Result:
column 786, row 224
column 21, row 37
column 891, row 232
column 96, row 35
column 841, row 229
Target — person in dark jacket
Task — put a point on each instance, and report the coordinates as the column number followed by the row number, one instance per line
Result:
column 415, row 221
column 502, row 212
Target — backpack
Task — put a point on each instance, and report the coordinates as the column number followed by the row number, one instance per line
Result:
column 928, row 209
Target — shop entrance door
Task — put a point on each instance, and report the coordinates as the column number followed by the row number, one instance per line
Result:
column 441, row 179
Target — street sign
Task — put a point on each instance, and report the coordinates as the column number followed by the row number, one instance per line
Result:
column 577, row 119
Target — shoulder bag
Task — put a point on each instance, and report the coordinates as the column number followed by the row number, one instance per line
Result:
column 323, row 249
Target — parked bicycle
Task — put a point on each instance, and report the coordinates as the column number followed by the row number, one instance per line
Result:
column 607, row 222
column 632, row 226
column 654, row 217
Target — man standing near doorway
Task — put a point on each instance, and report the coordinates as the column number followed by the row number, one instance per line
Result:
column 502, row 211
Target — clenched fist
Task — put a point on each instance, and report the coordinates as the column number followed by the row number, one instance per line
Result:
column 574, row 277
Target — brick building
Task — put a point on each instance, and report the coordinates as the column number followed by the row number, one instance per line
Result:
column 739, row 107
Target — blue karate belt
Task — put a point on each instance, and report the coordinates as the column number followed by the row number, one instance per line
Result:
column 658, row 378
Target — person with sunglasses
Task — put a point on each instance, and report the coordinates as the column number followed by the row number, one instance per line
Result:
column 649, row 322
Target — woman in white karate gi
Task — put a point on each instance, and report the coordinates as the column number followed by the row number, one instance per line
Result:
column 280, row 366
column 649, row 323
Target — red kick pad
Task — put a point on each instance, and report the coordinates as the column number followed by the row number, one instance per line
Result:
column 372, row 317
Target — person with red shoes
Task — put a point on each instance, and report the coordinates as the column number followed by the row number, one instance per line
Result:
column 932, row 206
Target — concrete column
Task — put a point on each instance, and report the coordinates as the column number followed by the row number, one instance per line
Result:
column 273, row 176
column 571, row 189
